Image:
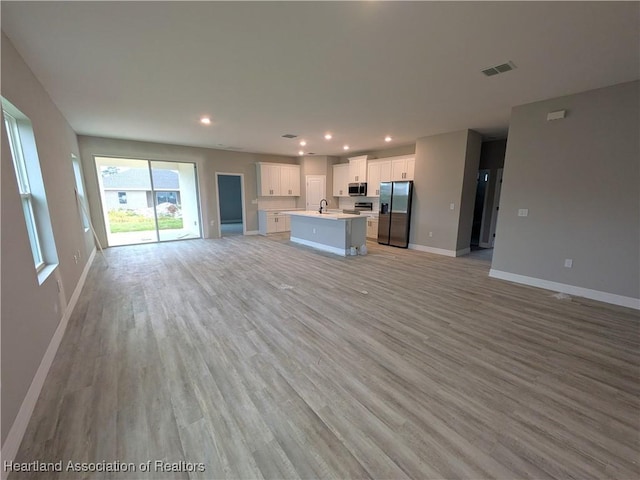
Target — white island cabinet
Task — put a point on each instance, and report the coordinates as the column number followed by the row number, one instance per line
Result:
column 330, row 232
column 272, row 222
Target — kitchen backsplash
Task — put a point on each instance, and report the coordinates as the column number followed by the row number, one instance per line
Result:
column 267, row 203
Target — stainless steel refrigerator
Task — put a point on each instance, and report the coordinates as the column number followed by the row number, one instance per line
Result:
column 395, row 213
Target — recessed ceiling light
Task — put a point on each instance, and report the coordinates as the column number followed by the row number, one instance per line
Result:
column 327, row 136
column 346, row 147
column 303, row 143
column 205, row 121
column 301, row 152
column 387, row 138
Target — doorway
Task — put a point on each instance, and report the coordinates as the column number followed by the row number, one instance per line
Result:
column 145, row 201
column 479, row 209
column 231, row 212
column 316, row 191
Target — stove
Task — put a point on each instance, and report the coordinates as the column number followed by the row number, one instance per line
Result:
column 359, row 207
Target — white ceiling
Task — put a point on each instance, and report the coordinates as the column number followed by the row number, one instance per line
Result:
column 361, row 70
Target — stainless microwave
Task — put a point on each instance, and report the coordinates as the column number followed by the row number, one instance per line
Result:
column 357, row 189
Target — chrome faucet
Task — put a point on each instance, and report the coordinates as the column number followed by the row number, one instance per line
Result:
column 326, row 204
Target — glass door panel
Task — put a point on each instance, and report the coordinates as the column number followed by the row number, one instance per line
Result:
column 148, row 201
column 176, row 200
column 128, row 210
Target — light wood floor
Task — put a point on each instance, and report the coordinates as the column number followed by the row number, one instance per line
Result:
column 264, row 359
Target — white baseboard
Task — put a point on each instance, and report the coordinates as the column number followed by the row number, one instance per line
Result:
column 252, row 232
column 440, row 251
column 320, row 246
column 19, row 427
column 485, row 245
column 606, row 297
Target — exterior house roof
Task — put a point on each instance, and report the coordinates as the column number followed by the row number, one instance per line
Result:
column 138, row 179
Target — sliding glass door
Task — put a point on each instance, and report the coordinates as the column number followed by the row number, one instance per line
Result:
column 148, row 201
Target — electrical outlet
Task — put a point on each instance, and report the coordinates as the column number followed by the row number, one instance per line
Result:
column 452, row 206
column 430, row 234
column 213, row 223
column 523, row 212
column 568, row 263
column 314, row 230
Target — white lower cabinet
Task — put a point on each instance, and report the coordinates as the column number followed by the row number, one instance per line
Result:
column 372, row 228
column 273, row 222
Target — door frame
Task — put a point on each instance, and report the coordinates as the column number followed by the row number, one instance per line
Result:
column 495, row 210
column 244, row 210
column 483, row 218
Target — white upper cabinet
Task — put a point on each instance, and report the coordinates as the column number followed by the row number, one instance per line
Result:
column 290, row 180
column 341, row 180
column 278, row 180
column 358, row 169
column 377, row 171
column 268, row 179
column 402, row 168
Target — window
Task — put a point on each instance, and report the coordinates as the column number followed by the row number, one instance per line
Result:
column 77, row 172
column 24, row 153
column 166, row 197
column 122, row 197
column 20, row 166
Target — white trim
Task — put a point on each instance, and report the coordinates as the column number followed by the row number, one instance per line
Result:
column 485, row 245
column 606, row 297
column 440, row 251
column 252, row 232
column 320, row 246
column 19, row 427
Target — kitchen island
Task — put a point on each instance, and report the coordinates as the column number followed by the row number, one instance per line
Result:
column 330, row 232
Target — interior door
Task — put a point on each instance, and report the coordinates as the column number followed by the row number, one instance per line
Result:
column 315, row 191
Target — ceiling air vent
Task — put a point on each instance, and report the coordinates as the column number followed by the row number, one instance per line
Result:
column 289, row 135
column 505, row 67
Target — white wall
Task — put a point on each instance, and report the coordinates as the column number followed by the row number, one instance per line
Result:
column 31, row 312
column 580, row 180
column 189, row 198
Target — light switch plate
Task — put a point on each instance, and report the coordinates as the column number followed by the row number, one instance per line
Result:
column 452, row 206
column 568, row 263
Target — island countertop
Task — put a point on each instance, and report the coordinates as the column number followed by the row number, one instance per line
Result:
column 322, row 216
